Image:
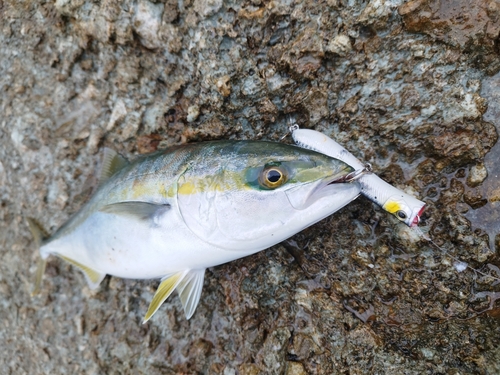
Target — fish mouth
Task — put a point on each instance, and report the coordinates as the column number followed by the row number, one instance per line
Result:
column 346, row 178
column 303, row 196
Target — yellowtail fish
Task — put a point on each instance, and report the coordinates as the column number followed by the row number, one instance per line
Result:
column 403, row 206
column 172, row 214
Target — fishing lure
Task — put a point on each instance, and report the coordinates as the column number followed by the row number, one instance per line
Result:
column 403, row 206
column 172, row 214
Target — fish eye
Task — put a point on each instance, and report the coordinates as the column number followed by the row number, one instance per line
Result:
column 272, row 177
column 401, row 215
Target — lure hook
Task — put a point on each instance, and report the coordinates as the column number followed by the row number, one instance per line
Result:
column 292, row 126
column 367, row 169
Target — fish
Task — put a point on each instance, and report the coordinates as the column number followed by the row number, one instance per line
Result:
column 403, row 206
column 172, row 214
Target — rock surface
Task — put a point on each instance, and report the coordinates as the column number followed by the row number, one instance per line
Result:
column 404, row 85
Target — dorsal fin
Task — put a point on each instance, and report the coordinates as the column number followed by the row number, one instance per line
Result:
column 112, row 162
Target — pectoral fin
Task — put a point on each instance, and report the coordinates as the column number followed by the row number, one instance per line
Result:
column 142, row 211
column 188, row 284
column 93, row 277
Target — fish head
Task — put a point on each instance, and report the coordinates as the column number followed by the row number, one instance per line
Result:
column 405, row 208
column 252, row 195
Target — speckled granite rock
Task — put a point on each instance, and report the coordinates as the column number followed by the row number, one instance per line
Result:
column 408, row 86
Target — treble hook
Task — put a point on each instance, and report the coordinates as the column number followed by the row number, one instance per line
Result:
column 354, row 175
column 291, row 128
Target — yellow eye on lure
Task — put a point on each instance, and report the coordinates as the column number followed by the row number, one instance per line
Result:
column 172, row 214
column 403, row 206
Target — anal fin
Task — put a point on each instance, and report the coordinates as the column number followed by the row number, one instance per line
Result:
column 93, row 277
column 188, row 283
column 167, row 286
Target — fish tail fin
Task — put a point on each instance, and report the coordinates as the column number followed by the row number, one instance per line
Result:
column 188, row 283
column 39, row 235
column 40, row 271
column 37, row 230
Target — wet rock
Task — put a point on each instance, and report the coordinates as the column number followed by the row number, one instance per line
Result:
column 468, row 26
column 249, row 369
column 192, row 113
column 273, row 350
column 351, row 105
column 477, row 174
column 252, row 86
column 295, row 368
column 474, row 199
column 457, row 22
column 305, row 54
column 148, row 143
column 154, row 117
column 210, row 129
column 313, row 102
column 376, row 13
column 57, row 194
column 462, row 146
column 223, row 85
column 341, row 45
column 146, row 21
column 131, row 125
column 95, row 137
column 364, row 294
column 207, row 8
column 269, row 110
column 118, row 114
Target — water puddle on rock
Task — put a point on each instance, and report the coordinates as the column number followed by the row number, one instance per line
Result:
column 487, row 217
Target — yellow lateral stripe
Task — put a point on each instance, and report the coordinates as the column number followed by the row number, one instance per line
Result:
column 166, row 288
column 194, row 185
column 187, row 189
column 93, row 276
column 140, row 189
